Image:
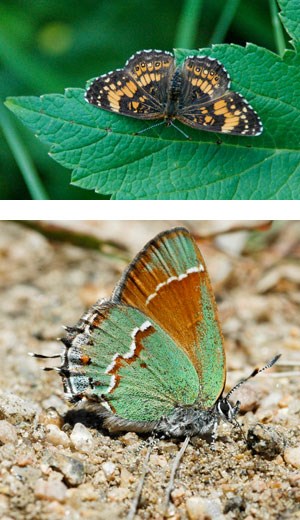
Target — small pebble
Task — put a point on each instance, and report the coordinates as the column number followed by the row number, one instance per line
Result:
column 24, row 461
column 258, row 485
column 57, row 437
column 129, row 439
column 235, row 503
column 8, row 433
column 99, row 478
column 4, row 505
column 86, row 492
column 125, row 478
column 294, row 479
column 117, row 494
column 51, row 416
column 27, row 473
column 50, row 490
column 169, row 447
column 109, row 469
column 71, row 468
column 158, row 460
column 265, row 440
column 204, row 509
column 82, row 438
column 16, row 409
column 292, row 456
column 178, row 495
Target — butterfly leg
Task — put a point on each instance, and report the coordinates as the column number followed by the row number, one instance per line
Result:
column 179, row 130
column 214, row 435
column 135, row 503
column 173, row 472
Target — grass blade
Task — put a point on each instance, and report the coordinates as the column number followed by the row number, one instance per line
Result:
column 22, row 158
column 277, row 28
column 224, row 21
column 188, row 23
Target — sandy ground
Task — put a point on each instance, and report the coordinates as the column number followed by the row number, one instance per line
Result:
column 51, row 470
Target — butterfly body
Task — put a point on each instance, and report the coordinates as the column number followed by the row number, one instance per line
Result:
column 182, row 421
column 196, row 93
column 173, row 104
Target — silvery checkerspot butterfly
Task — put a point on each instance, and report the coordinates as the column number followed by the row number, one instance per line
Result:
column 196, row 93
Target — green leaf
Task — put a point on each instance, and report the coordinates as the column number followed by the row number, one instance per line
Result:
column 107, row 157
column 290, row 16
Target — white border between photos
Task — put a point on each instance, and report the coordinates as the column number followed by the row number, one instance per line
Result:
column 149, row 210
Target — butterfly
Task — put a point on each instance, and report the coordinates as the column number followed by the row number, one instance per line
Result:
column 151, row 358
column 196, row 93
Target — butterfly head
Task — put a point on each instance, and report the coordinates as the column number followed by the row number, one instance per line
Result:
column 226, row 410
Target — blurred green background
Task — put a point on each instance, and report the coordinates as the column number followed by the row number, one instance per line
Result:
column 48, row 46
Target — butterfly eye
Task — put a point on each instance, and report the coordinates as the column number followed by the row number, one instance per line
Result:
column 157, row 64
column 143, row 65
column 197, row 69
column 137, row 68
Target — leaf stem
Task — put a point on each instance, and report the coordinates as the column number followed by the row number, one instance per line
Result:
column 188, row 23
column 22, row 157
column 224, row 22
column 277, row 27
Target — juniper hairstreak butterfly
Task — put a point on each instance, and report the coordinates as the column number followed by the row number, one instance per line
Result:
column 151, row 358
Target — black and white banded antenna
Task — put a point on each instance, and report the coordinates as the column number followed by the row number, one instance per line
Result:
column 253, row 374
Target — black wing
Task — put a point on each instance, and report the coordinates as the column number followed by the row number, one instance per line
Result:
column 207, row 103
column 139, row 90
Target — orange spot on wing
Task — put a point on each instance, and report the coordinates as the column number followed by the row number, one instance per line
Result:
column 85, row 359
column 143, row 80
column 113, row 96
column 132, row 86
column 125, row 90
column 204, row 85
column 220, row 104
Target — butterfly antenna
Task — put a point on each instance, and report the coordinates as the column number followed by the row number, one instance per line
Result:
column 176, row 462
column 149, row 128
column 138, row 492
column 253, row 374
